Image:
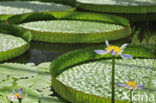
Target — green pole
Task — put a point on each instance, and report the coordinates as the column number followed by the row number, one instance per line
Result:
column 131, row 95
column 113, row 79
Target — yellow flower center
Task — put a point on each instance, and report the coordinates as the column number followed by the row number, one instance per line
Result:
column 17, row 95
column 116, row 49
column 131, row 84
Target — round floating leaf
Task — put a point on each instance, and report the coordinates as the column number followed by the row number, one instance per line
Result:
column 74, row 31
column 21, row 7
column 11, row 46
column 71, row 26
column 74, row 58
column 79, row 56
column 118, row 27
column 15, row 30
column 94, row 77
column 119, row 6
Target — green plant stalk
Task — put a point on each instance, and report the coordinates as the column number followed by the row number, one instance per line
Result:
column 131, row 95
column 113, row 78
column 20, row 100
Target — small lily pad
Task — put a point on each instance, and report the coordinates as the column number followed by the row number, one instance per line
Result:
column 38, row 82
column 50, row 100
column 18, row 70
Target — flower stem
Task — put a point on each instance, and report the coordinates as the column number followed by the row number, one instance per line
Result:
column 20, row 100
column 131, row 95
column 113, row 78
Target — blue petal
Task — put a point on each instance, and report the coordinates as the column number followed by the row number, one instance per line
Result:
column 123, row 46
column 140, row 86
column 129, row 87
column 107, row 43
column 100, row 52
column 112, row 52
column 126, row 56
column 122, row 85
column 20, row 92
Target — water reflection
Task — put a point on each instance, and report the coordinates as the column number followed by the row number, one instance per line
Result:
column 46, row 52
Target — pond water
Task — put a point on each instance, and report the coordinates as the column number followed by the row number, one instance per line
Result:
column 40, row 52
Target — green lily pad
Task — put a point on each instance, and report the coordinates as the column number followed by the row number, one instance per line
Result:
column 6, row 83
column 39, row 82
column 36, row 78
column 18, row 70
column 11, row 46
column 74, row 31
column 67, row 26
column 35, row 82
column 94, row 78
column 119, row 6
column 49, row 100
column 3, row 99
column 87, row 58
column 3, row 77
column 21, row 7
column 46, row 92
column 44, row 67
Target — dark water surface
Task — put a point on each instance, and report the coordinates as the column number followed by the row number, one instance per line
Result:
column 40, row 52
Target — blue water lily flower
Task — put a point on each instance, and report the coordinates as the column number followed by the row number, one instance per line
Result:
column 114, row 50
column 131, row 85
column 20, row 94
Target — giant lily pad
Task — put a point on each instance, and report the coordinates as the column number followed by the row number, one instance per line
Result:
column 9, row 8
column 81, row 59
column 21, row 7
column 119, row 6
column 79, row 29
column 72, row 26
column 73, row 31
column 94, row 77
column 11, row 46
